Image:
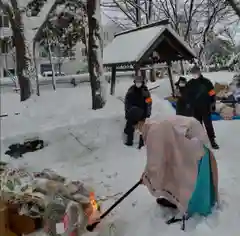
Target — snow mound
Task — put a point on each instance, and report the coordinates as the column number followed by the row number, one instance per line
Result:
column 161, row 108
column 87, row 145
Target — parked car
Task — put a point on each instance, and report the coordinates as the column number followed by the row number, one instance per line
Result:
column 49, row 74
column 59, row 74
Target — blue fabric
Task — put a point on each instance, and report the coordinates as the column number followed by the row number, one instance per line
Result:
column 215, row 115
column 203, row 197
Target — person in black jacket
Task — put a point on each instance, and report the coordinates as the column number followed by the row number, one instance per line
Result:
column 138, row 96
column 200, row 97
column 182, row 107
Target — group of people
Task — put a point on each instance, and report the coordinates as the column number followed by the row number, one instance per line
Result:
column 180, row 141
column 195, row 98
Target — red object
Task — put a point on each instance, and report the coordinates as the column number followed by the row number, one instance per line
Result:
column 66, row 226
column 211, row 92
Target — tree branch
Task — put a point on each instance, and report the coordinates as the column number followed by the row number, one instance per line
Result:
column 235, row 6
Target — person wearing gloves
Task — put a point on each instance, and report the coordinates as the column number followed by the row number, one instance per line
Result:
column 138, row 96
column 182, row 107
column 200, row 97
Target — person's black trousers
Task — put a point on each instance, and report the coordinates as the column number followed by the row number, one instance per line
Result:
column 182, row 108
column 129, row 131
column 204, row 117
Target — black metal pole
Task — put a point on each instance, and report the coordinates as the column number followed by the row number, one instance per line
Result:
column 93, row 226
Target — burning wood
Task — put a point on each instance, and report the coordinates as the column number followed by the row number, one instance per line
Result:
column 93, row 210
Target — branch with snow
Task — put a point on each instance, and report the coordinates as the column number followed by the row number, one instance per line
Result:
column 235, row 5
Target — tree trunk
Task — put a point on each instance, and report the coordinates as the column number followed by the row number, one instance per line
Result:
column 138, row 14
column 36, row 69
column 60, row 68
column 153, row 74
column 21, row 61
column 95, row 55
column 52, row 65
column 182, row 68
column 59, row 61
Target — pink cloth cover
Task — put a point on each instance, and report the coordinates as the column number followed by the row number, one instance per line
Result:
column 174, row 147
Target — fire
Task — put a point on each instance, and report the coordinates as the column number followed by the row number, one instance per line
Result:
column 93, row 202
column 93, row 209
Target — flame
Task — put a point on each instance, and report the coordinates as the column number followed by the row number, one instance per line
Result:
column 93, row 202
column 93, row 209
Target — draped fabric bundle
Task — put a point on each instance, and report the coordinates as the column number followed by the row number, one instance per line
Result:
column 175, row 148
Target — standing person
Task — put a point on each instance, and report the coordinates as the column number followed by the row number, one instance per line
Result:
column 235, row 88
column 182, row 108
column 200, row 96
column 138, row 96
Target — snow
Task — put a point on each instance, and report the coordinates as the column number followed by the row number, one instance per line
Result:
column 32, row 24
column 87, row 145
column 7, row 84
column 134, row 44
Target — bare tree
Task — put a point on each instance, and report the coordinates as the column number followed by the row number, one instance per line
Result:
column 215, row 13
column 195, row 20
column 18, row 13
column 49, row 46
column 230, row 33
column 235, row 5
column 15, row 18
column 95, row 55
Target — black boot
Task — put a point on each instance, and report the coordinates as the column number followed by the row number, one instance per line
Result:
column 129, row 144
column 214, row 144
column 165, row 203
column 141, row 142
column 128, row 139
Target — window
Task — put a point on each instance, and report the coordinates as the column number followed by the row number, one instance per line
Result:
column 4, row 21
column 8, row 73
column 43, row 54
column 4, row 46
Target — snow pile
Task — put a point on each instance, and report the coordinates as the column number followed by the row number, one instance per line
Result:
column 87, row 145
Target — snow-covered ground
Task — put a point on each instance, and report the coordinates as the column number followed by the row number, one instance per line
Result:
column 7, row 84
column 87, row 145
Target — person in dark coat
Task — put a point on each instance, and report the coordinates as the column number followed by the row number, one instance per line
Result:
column 182, row 108
column 138, row 96
column 200, row 97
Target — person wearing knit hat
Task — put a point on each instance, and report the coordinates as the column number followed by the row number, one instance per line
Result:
column 182, row 107
column 138, row 106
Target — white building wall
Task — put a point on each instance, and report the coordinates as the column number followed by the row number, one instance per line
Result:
column 80, row 62
column 68, row 66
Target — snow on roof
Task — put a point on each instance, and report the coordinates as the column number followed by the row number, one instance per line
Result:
column 131, row 46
